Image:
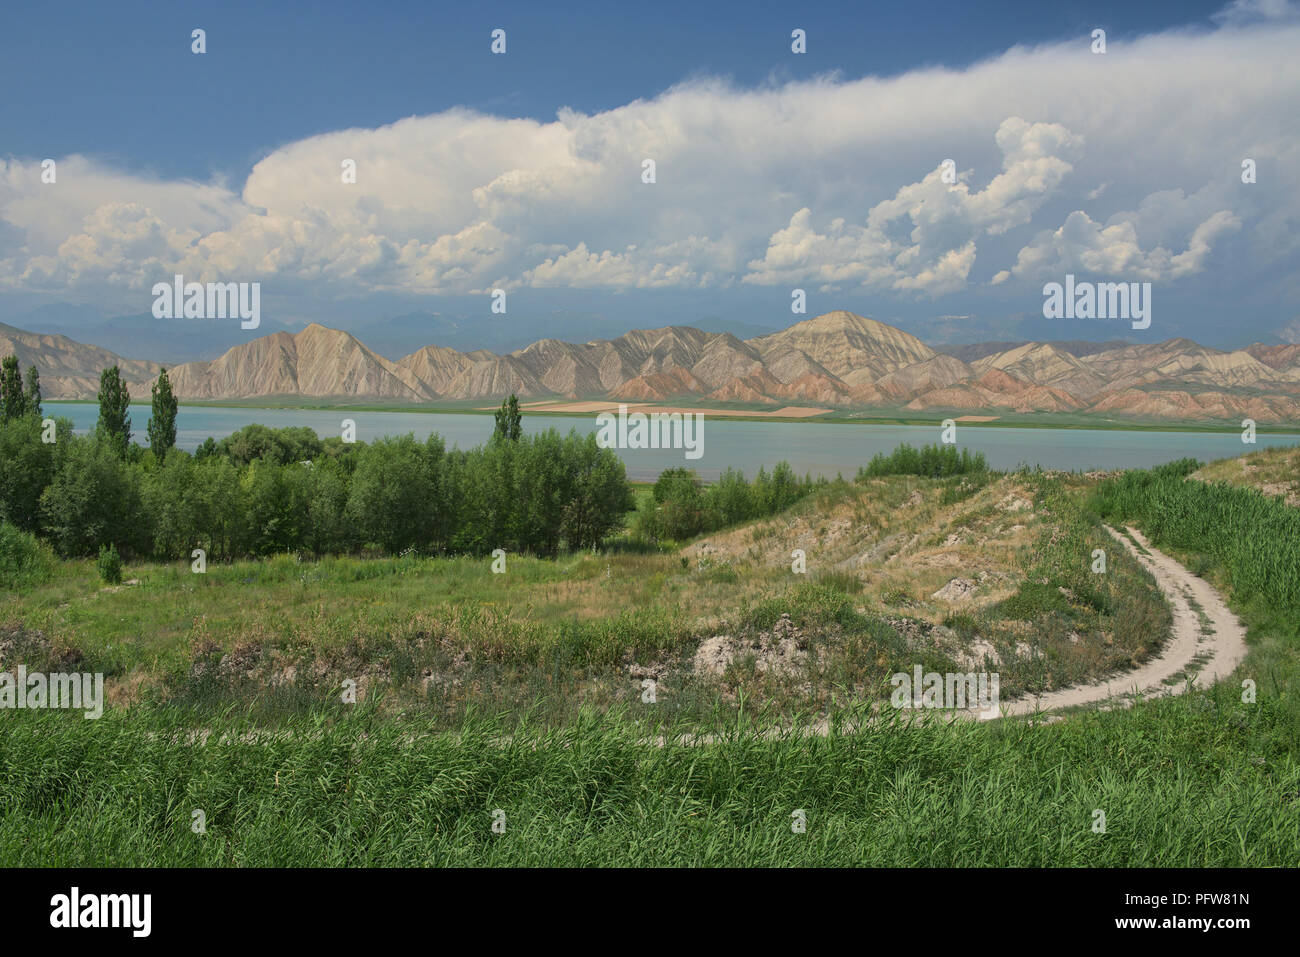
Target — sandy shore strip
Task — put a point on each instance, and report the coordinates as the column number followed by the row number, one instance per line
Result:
column 787, row 412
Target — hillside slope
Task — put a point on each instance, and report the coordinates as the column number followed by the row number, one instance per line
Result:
column 838, row 361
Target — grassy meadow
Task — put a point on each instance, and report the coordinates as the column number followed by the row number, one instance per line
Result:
column 524, row 693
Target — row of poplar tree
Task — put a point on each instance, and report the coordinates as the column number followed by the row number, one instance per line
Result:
column 20, row 396
column 262, row 491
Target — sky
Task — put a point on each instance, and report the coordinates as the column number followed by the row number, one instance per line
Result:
column 930, row 169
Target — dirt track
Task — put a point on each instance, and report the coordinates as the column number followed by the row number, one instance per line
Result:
column 1205, row 651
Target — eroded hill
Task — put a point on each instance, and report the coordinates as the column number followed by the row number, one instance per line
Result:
column 837, row 361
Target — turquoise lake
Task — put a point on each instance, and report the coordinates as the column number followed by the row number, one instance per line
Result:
column 821, row 449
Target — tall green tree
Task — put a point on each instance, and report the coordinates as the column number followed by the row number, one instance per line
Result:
column 396, row 494
column 94, row 500
column 283, row 446
column 508, row 420
column 13, row 403
column 114, row 421
column 28, row 467
column 600, row 496
column 33, row 390
column 162, row 424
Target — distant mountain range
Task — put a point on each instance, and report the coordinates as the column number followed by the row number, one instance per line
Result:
column 838, row 360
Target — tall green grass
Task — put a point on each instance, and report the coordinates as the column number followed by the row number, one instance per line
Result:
column 1255, row 538
column 1214, row 786
column 1241, row 540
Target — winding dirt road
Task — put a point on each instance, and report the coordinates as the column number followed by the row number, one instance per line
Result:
column 1204, row 649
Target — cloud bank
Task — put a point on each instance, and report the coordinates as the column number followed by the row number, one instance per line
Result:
column 1126, row 164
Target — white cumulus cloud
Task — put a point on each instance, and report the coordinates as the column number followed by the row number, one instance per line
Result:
column 830, row 182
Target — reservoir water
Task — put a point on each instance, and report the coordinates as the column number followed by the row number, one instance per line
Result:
column 817, row 448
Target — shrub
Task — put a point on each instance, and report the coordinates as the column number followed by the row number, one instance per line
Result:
column 679, row 502
column 23, row 560
column 110, row 565
column 680, row 508
column 930, row 461
column 283, row 446
column 732, row 498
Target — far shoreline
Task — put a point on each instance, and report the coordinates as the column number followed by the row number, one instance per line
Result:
column 1080, row 424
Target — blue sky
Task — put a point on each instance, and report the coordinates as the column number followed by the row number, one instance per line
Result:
column 169, row 160
column 111, row 80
